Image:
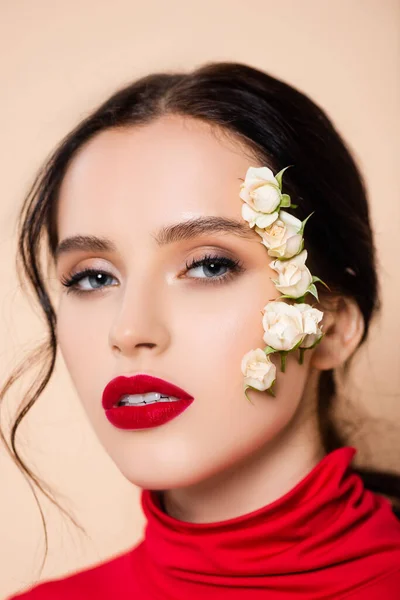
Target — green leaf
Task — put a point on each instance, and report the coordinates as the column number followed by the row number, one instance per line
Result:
column 286, row 296
column 285, row 201
column 293, row 205
column 269, row 350
column 282, row 258
column 301, row 299
column 313, row 290
column 271, row 390
column 297, row 299
column 303, row 224
column 323, row 282
column 278, row 176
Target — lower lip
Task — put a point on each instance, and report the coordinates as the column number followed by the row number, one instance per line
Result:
column 145, row 416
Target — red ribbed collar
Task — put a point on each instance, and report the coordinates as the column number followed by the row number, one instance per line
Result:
column 317, row 540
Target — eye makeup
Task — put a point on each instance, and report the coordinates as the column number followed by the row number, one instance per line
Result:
column 208, row 262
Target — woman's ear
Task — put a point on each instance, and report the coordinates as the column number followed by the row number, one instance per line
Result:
column 343, row 328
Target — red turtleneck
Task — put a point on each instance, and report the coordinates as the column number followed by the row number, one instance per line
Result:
column 327, row 538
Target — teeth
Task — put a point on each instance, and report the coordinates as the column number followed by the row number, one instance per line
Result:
column 142, row 399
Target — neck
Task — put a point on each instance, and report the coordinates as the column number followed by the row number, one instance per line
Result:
column 261, row 479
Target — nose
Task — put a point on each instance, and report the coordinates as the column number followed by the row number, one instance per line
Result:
column 140, row 321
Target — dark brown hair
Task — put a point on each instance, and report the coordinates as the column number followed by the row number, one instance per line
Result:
column 281, row 126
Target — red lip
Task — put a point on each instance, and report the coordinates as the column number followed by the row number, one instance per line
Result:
column 140, row 417
column 139, row 384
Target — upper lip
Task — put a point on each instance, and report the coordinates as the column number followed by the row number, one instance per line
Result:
column 139, row 384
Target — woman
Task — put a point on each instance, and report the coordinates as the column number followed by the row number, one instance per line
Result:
column 163, row 281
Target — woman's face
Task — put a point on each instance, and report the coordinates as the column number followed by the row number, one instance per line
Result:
column 151, row 314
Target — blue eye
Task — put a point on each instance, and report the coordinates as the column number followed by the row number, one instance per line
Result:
column 93, row 276
column 209, row 266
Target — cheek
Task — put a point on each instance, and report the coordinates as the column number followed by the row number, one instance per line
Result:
column 225, row 336
column 82, row 336
column 213, row 337
column 210, row 331
column 223, row 325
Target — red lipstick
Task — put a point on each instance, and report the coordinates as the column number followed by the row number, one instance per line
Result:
column 146, row 415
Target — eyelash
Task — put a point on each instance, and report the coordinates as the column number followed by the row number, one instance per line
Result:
column 235, row 266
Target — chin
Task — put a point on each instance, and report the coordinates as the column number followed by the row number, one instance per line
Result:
column 161, row 476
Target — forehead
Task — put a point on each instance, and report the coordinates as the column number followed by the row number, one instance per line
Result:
column 146, row 176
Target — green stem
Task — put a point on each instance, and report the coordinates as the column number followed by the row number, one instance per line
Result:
column 245, row 393
column 283, row 361
column 301, row 357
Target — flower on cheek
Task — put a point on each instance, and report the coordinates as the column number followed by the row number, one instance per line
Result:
column 258, row 370
column 282, row 238
column 286, row 326
column 294, row 277
column 283, row 326
column 311, row 318
column 290, row 326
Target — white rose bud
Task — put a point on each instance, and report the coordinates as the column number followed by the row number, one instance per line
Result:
column 282, row 238
column 260, row 190
column 283, row 325
column 258, row 369
column 311, row 318
column 294, row 277
column 260, row 219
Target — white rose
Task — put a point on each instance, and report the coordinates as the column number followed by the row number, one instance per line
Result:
column 260, row 219
column 294, row 277
column 260, row 190
column 283, row 325
column 282, row 238
column 258, row 369
column 311, row 318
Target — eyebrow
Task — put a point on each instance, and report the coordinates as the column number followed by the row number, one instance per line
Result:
column 166, row 235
